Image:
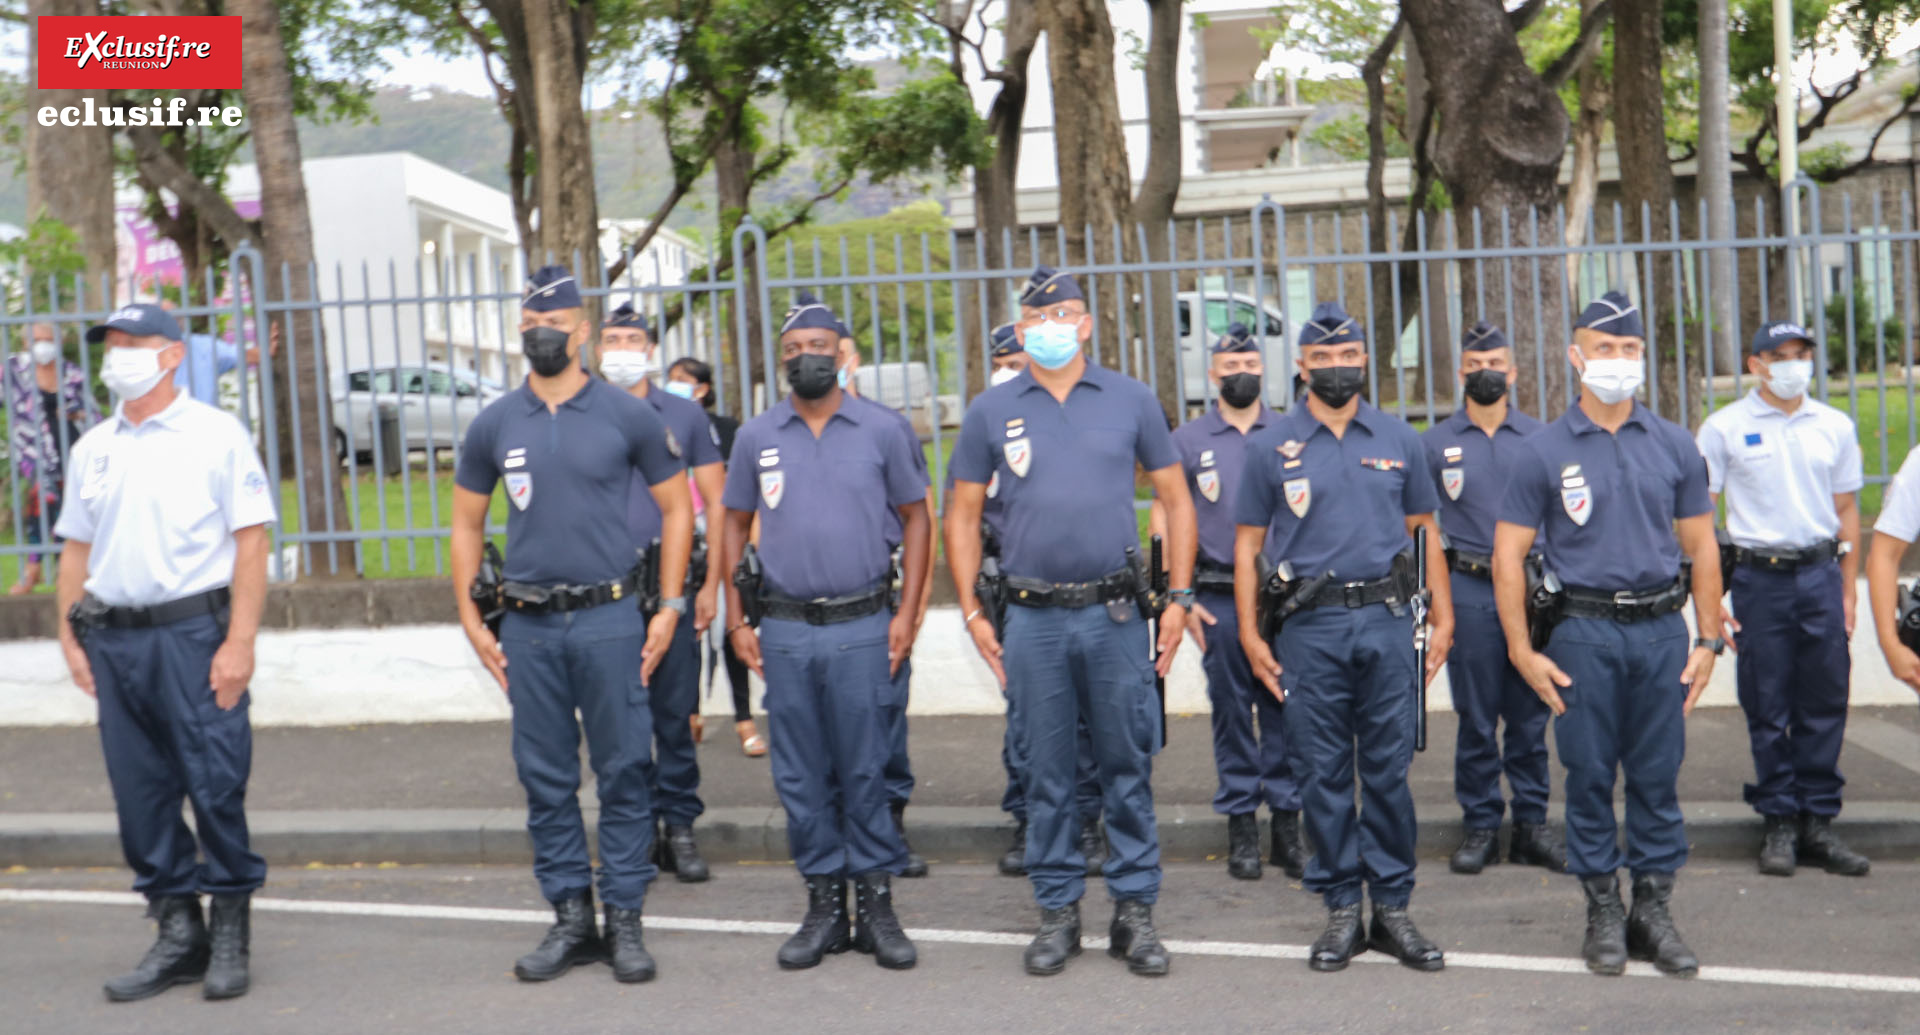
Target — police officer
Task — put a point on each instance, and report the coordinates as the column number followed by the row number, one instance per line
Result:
column 1621, row 498
column 629, row 358
column 1469, row 454
column 1898, row 527
column 1252, row 769
column 1062, row 439
column 1790, row 468
column 1340, row 487
column 166, row 535
column 823, row 472
column 568, row 446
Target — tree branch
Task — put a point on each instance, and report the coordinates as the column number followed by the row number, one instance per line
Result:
column 1907, row 102
column 1584, row 46
column 1523, row 16
column 164, row 169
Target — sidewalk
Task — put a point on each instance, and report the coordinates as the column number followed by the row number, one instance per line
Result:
column 446, row 793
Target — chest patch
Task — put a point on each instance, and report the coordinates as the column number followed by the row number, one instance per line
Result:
column 1016, row 427
column 1453, row 479
column 96, row 478
column 1578, row 501
column 1381, row 463
column 1206, row 458
column 1019, row 454
column 773, row 487
column 770, row 457
column 1209, row 483
column 1753, row 438
column 520, row 488
column 1291, row 448
column 1299, row 495
column 1453, row 454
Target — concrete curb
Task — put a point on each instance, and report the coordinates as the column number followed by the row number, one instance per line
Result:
column 1717, row 830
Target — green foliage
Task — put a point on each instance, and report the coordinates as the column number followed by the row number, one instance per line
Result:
column 1346, row 137
column 927, row 125
column 1869, row 354
column 50, row 253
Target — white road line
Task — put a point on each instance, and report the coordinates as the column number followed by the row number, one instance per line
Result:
column 1239, row 950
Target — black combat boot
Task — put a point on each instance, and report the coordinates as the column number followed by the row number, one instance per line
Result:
column 1014, row 862
column 232, row 936
column 1605, row 949
column 1057, row 942
column 626, row 948
column 1340, row 942
column 1393, row 933
column 1778, row 852
column 676, row 852
column 916, row 866
column 1131, row 936
column 178, row 956
column 1288, row 852
column 824, row 929
column 1818, row 844
column 573, row 939
column 1481, row 848
column 1093, row 845
column 875, row 929
column 1243, row 847
column 1650, row 932
column 1534, row 844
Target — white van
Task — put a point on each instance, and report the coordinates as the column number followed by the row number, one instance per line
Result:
column 1216, row 310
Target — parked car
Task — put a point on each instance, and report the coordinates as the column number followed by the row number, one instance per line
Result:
column 1219, row 310
column 436, row 405
column 905, row 387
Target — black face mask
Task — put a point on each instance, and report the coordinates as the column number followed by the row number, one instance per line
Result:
column 1486, row 386
column 811, row 374
column 1336, row 385
column 545, row 349
column 1239, row 390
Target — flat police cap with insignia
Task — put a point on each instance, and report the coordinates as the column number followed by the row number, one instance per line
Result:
column 809, row 313
column 1611, row 313
column 1773, row 335
column 1330, row 325
column 1484, row 337
column 1048, row 286
column 1237, row 339
column 550, row 288
column 1005, row 342
column 625, row 316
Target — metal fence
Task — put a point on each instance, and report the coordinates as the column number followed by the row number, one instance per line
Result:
column 406, row 357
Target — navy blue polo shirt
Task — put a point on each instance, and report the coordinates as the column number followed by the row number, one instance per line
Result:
column 1605, row 504
column 828, row 505
column 1065, row 469
column 1214, row 454
column 1336, row 504
column 1471, row 471
column 699, row 446
column 992, row 510
column 568, row 475
column 897, row 531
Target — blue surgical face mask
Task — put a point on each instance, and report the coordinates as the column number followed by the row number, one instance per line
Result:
column 840, row 376
column 683, row 389
column 1053, row 345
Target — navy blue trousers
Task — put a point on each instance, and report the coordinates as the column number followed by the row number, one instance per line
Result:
column 1252, row 763
column 1086, row 784
column 1487, row 690
column 1065, row 667
column 1350, row 680
column 585, row 662
column 899, row 771
column 166, row 741
column 826, row 690
column 1791, row 672
column 673, row 775
column 1623, row 715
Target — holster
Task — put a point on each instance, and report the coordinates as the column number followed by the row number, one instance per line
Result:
column 1729, row 556
column 647, row 577
column 991, row 587
column 1546, row 599
column 86, row 615
column 486, row 589
column 1907, row 603
column 896, row 579
column 1282, row 595
column 696, row 566
column 749, row 580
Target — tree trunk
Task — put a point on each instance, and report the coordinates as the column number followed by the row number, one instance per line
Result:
column 287, row 244
column 1646, row 181
column 70, row 168
column 1714, row 182
column 569, row 229
column 1386, row 329
column 1090, row 145
column 1153, row 206
column 996, row 186
column 733, row 185
column 1501, row 134
column 1588, row 127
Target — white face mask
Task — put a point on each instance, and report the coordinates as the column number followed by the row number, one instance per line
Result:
column 1788, row 378
column 45, row 351
column 1002, row 376
column 1613, row 380
column 130, row 372
column 625, row 367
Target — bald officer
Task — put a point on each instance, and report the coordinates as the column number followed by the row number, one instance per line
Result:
column 1789, row 466
column 162, row 580
column 1339, row 488
column 1620, row 497
column 1062, row 440
column 1469, row 454
column 568, row 446
column 1252, row 765
column 827, row 476
column 629, row 357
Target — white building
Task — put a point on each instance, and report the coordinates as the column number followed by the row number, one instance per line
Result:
column 650, row 280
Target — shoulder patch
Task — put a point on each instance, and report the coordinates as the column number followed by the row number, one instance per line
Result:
column 673, row 444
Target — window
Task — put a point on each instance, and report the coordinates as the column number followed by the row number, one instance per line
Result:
column 1218, row 321
column 1185, row 320
column 357, row 381
column 413, row 383
column 439, row 382
column 465, row 389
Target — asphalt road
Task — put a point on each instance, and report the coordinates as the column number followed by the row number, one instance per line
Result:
column 1780, row 955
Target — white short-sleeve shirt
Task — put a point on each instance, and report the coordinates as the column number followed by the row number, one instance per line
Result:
column 1900, row 507
column 1779, row 471
column 160, row 500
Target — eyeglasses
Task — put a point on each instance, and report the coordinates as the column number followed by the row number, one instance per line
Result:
column 1058, row 314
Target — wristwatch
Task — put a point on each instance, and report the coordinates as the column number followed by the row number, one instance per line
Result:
column 1717, row 645
column 1183, row 597
column 674, row 603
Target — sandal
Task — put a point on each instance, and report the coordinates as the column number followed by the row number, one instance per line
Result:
column 752, row 744
column 699, row 724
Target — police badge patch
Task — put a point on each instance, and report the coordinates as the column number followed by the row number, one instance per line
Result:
column 1209, row 482
column 1453, row 479
column 1578, row 499
column 520, row 488
column 1019, row 454
column 993, row 485
column 673, row 444
column 773, row 486
column 1299, row 493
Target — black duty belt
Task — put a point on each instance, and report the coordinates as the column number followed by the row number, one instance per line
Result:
column 1466, row 562
column 826, row 610
column 1626, row 606
column 1026, row 592
column 1355, row 594
column 524, row 598
column 1787, row 560
column 211, row 602
column 1211, row 578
